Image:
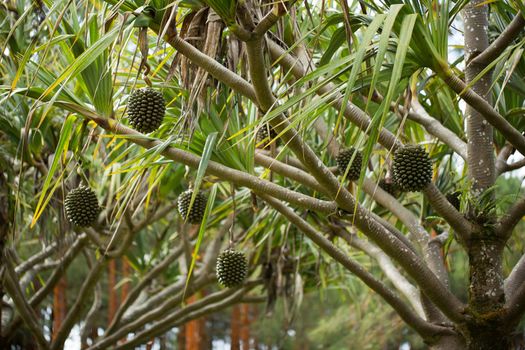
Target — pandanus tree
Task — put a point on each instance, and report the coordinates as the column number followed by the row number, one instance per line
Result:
column 365, row 126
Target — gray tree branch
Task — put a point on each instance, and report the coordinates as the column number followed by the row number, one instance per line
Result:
column 506, row 37
column 512, row 217
column 391, row 246
column 209, row 304
column 362, row 121
column 424, row 328
column 386, row 265
column 22, row 306
column 484, row 108
column 135, row 292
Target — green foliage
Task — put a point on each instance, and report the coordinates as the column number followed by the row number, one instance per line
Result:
column 82, row 62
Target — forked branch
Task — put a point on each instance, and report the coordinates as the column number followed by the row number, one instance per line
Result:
column 424, row 328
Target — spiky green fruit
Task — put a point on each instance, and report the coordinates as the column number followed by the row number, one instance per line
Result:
column 265, row 135
column 195, row 215
column 82, row 207
column 343, row 159
column 389, row 186
column 231, row 268
column 412, row 168
column 146, row 109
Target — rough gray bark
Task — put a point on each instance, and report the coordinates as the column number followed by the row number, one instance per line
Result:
column 481, row 161
column 449, row 343
column 484, row 248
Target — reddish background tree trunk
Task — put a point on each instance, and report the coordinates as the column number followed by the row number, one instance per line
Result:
column 235, row 328
column 125, row 275
column 59, row 305
column 245, row 326
column 196, row 337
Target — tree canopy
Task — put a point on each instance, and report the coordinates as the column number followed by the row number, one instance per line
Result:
column 219, row 152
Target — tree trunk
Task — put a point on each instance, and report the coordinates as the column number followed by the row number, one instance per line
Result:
column 245, row 326
column 255, row 317
column 181, row 338
column 485, row 249
column 59, row 305
column 481, row 161
column 449, row 343
column 488, row 338
column 125, row 275
column 235, row 328
column 195, row 331
column 486, row 293
column 485, row 254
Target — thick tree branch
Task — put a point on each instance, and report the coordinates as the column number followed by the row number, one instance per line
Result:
column 22, row 306
column 435, row 128
column 424, row 328
column 511, row 219
column 362, row 121
column 484, row 108
column 74, row 313
column 515, row 278
column 442, row 206
column 371, row 188
column 501, row 161
column 387, row 266
column 207, row 63
column 153, row 314
column 269, row 20
column 419, row 115
column 515, row 306
column 42, row 255
column 29, row 276
column 308, row 180
column 135, row 292
column 418, row 232
column 353, row 113
column 288, row 171
column 499, row 45
column 209, row 304
column 515, row 166
column 43, row 292
column 383, row 198
column 430, row 285
column 214, row 168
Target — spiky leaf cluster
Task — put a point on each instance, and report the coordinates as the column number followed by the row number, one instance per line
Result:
column 231, row 268
column 195, row 215
column 343, row 160
column 146, row 109
column 82, row 207
column 412, row 168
